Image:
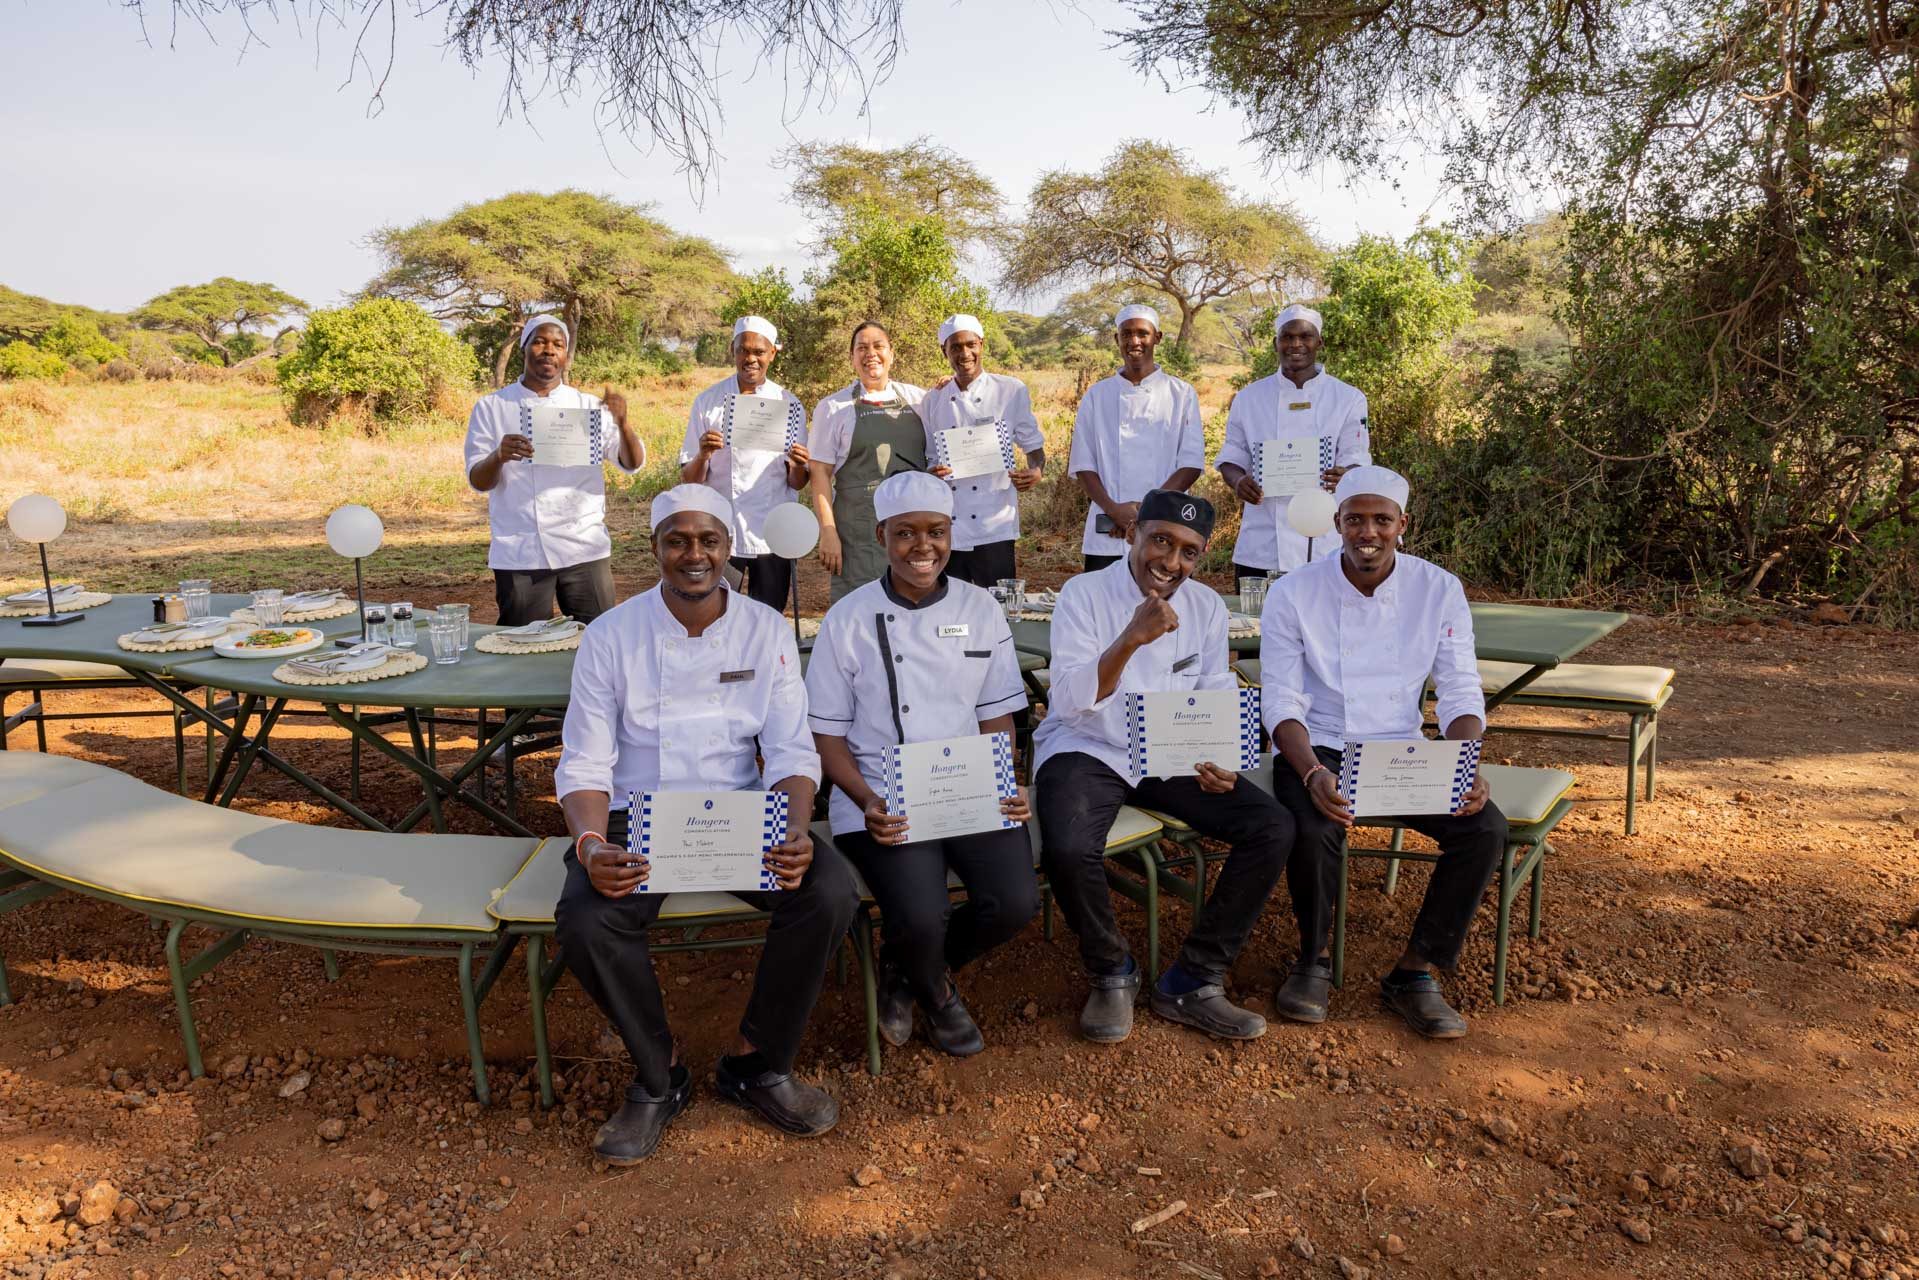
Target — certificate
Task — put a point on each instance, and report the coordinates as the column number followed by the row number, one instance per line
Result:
column 1291, row 464
column 1405, row 778
column 952, row 786
column 761, row 424
column 981, row 450
column 562, row 437
column 705, row 841
column 1168, row 734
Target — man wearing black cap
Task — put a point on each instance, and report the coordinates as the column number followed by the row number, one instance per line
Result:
column 1138, row 626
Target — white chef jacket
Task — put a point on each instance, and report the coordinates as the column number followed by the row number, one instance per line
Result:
column 543, row 517
column 1273, row 409
column 654, row 709
column 985, row 508
column 1353, row 667
column 832, row 433
column 1092, row 610
column 754, row 483
column 886, row 671
column 1132, row 438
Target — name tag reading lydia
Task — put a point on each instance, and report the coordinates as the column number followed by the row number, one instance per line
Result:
column 954, row 629
column 736, row 677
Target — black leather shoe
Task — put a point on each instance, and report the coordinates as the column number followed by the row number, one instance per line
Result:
column 783, row 1102
column 1423, row 1007
column 1208, row 1010
column 951, row 1028
column 895, row 1008
column 1304, row 995
column 635, row 1129
column 1108, row 1015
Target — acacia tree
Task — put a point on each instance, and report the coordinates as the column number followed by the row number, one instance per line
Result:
column 222, row 314
column 920, row 179
column 1150, row 220
column 601, row 264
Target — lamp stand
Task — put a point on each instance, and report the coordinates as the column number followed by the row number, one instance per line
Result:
column 54, row 617
column 359, row 589
column 796, row 603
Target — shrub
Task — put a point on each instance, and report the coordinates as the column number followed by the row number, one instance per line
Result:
column 80, row 343
column 389, row 358
column 118, row 371
column 22, row 360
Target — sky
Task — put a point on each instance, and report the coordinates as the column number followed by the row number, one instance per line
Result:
column 133, row 168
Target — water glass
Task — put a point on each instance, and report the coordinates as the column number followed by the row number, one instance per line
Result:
column 401, row 615
column 373, row 625
column 1013, row 593
column 198, row 593
column 1252, row 595
column 269, row 607
column 462, row 616
column 444, row 634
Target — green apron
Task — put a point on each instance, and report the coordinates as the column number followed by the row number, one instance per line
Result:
column 887, row 437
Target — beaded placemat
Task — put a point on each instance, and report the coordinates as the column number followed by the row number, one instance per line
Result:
column 494, row 642
column 85, row 600
column 397, row 664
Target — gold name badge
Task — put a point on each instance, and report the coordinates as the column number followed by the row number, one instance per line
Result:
column 1301, row 404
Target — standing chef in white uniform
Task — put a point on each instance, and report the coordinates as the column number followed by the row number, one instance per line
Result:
column 1137, row 430
column 985, row 508
column 753, row 482
column 1301, row 400
column 548, row 523
column 917, row 656
column 689, row 687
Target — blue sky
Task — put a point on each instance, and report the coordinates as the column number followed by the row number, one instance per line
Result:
column 132, row 169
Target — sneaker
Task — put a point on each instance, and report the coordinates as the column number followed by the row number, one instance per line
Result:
column 1424, row 1008
column 783, row 1102
column 1108, row 1015
column 635, row 1130
column 1207, row 1009
column 1304, row 996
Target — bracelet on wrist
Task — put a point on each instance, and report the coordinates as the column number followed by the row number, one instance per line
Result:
column 579, row 842
column 1306, row 779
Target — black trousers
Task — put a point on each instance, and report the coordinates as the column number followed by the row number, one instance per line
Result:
column 1078, row 796
column 1470, row 849
column 584, row 591
column 604, row 942
column 922, row 933
column 984, row 565
column 1096, row 563
column 769, row 579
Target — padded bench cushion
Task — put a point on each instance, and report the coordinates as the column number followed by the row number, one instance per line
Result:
column 39, row 673
column 1596, row 682
column 114, row 834
column 1524, row 795
column 532, row 895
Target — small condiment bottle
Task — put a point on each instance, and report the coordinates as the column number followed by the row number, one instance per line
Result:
column 159, row 608
column 176, row 608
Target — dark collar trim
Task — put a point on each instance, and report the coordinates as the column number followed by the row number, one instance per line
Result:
column 934, row 597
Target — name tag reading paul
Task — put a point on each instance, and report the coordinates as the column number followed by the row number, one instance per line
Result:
column 737, row 677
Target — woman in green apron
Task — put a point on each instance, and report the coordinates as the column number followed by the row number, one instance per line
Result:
column 861, row 434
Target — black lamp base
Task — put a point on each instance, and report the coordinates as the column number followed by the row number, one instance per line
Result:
column 57, row 620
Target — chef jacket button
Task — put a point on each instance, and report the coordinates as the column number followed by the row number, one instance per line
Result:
column 899, row 657
column 905, row 710
column 889, row 617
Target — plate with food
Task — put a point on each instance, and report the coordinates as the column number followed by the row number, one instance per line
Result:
column 268, row 642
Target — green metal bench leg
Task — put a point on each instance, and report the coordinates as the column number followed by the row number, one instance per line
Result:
column 1149, row 866
column 40, row 720
column 1539, row 893
column 1632, row 772
column 862, row 937
column 1652, row 751
column 183, row 973
column 353, row 760
column 206, row 726
column 330, row 960
column 1339, row 918
column 1392, row 864
column 180, row 749
column 1502, row 938
column 541, row 978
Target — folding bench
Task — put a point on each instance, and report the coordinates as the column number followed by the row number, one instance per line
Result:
column 70, row 824
column 1533, row 800
column 35, row 676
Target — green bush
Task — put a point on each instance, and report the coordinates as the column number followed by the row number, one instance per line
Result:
column 80, row 343
column 22, row 360
column 627, row 365
column 386, row 358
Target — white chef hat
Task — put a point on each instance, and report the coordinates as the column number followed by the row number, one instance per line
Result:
column 905, row 491
column 757, row 324
column 1298, row 311
column 537, row 322
column 691, row 497
column 1138, row 311
column 1379, row 482
column 961, row 323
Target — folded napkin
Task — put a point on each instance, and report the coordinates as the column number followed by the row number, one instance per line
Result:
column 361, row 657
column 547, row 629
column 168, row 632
column 311, row 599
column 39, row 594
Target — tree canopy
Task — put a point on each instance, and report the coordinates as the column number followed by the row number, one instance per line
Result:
column 1150, row 220
column 615, row 273
column 920, row 179
column 223, row 315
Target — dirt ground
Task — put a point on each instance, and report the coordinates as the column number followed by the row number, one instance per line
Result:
column 1707, row 1065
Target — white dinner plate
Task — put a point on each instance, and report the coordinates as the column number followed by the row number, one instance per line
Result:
column 225, row 646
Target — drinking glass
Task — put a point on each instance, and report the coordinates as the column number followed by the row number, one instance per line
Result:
column 444, row 634
column 1252, row 595
column 1013, row 592
column 373, row 625
column 269, row 607
column 198, row 593
column 462, row 615
column 404, row 636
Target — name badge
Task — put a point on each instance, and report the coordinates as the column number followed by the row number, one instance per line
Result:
column 1300, row 404
column 1186, row 662
column 954, row 629
column 736, row 677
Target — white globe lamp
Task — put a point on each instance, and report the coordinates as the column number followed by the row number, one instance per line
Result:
column 792, row 531
column 38, row 519
column 1310, row 513
column 355, row 532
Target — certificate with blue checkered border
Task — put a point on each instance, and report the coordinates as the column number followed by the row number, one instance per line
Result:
column 762, row 424
column 950, row 786
column 1390, row 778
column 1167, row 734
column 563, row 436
column 705, row 841
column 1291, row 464
column 984, row 449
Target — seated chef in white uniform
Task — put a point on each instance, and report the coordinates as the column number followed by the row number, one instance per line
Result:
column 1139, row 626
column 918, row 656
column 1346, row 647
column 1299, row 401
column 688, row 687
